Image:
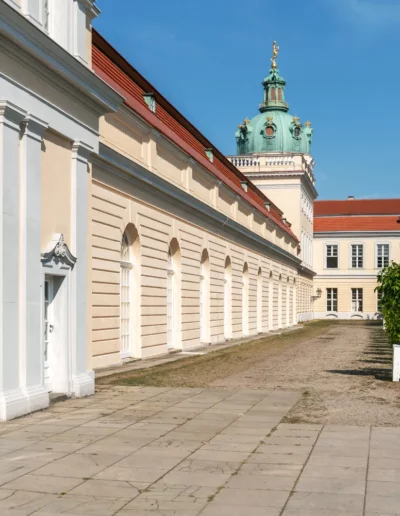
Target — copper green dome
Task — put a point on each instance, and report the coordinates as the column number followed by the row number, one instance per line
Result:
column 274, row 129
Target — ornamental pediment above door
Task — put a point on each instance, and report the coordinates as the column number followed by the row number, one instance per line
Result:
column 58, row 254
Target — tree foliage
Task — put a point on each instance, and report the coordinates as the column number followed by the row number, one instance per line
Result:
column 389, row 288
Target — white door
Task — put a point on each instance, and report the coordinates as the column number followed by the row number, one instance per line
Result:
column 48, row 330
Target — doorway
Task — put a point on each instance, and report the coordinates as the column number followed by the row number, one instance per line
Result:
column 56, row 334
column 48, row 330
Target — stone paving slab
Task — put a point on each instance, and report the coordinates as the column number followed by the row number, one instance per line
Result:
column 132, row 451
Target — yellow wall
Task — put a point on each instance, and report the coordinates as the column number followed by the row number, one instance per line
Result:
column 128, row 135
column 113, row 208
column 56, row 188
column 345, row 278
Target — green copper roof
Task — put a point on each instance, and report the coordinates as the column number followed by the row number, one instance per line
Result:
column 274, row 130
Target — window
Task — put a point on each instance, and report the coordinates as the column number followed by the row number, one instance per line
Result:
column 382, row 256
column 228, row 299
column 245, row 300
column 205, row 297
column 125, row 291
column 174, row 299
column 331, row 299
column 170, row 301
column 259, row 301
column 379, row 302
column 357, row 256
column 332, row 256
column 357, row 299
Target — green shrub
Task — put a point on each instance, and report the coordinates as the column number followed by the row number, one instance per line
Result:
column 389, row 288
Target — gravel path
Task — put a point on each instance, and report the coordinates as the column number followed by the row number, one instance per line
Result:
column 344, row 375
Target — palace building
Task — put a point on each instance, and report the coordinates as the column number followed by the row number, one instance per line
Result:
column 125, row 233
column 353, row 240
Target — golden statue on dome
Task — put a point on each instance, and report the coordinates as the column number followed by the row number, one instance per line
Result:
column 275, row 52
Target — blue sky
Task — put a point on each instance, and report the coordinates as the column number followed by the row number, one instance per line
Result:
column 339, row 58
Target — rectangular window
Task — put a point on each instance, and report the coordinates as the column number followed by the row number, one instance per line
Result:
column 331, row 256
column 357, row 258
column 379, row 302
column 357, row 299
column 331, row 299
column 382, row 255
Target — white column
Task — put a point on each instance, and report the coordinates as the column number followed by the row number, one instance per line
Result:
column 30, row 267
column 12, row 403
column 82, row 379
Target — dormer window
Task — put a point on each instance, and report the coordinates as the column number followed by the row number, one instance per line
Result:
column 269, row 131
column 150, row 100
column 210, row 154
column 297, row 132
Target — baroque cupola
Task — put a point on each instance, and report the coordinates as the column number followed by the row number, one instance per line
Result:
column 274, row 129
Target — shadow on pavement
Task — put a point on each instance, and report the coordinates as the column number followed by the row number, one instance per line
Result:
column 378, row 353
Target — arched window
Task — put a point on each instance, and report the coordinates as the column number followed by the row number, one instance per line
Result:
column 228, row 299
column 205, row 297
column 280, row 302
column 259, row 301
column 288, row 302
column 245, row 300
column 270, row 302
column 173, row 296
column 130, row 293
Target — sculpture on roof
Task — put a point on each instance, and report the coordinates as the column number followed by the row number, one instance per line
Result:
column 275, row 52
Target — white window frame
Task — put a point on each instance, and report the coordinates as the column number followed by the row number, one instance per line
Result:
column 353, row 244
column 126, row 299
column 357, row 300
column 330, row 299
column 259, row 302
column 333, row 244
column 376, row 254
column 245, row 300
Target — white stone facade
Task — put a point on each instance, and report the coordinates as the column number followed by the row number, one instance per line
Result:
column 44, row 90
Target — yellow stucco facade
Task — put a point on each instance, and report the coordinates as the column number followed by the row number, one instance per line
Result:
column 346, row 277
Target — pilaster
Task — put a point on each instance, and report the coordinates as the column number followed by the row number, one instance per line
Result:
column 11, row 116
column 83, row 12
column 30, row 292
column 82, row 380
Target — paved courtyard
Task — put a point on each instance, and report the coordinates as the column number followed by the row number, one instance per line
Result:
column 136, row 451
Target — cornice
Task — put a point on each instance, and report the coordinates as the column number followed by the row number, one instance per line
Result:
column 298, row 174
column 63, row 66
column 121, row 166
column 91, row 9
column 356, row 234
column 347, row 276
column 305, row 271
column 11, row 115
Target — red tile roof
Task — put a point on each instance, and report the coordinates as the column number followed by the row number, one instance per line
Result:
column 121, row 76
column 354, row 223
column 358, row 207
